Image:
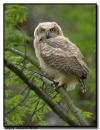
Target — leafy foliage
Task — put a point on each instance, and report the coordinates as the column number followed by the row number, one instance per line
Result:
column 85, row 114
column 14, row 14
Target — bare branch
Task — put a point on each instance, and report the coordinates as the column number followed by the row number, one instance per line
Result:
column 41, row 94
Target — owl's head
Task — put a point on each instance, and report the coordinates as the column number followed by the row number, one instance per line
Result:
column 47, row 30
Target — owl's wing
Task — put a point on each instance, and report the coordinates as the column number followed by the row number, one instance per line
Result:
column 64, row 57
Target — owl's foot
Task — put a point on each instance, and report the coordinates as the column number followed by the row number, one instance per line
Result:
column 83, row 86
column 84, row 90
column 57, row 85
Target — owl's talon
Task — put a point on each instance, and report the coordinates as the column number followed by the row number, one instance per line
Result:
column 83, row 90
column 56, row 83
column 57, row 86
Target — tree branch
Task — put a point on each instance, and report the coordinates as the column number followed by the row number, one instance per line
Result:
column 72, row 107
column 41, row 94
column 65, row 96
column 41, row 77
column 69, row 102
column 23, row 55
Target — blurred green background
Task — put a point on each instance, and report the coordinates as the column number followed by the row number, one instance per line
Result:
column 78, row 23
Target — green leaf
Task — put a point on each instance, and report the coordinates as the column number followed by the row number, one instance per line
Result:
column 42, row 123
column 66, row 124
column 87, row 114
column 8, row 93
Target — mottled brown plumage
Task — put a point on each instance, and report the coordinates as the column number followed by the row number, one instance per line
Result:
column 59, row 57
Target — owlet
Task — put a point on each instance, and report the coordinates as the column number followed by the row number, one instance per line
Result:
column 59, row 57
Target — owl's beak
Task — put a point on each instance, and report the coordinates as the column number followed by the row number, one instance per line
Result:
column 47, row 34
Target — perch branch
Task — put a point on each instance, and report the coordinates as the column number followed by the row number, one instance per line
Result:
column 61, row 90
column 41, row 77
column 41, row 94
column 72, row 107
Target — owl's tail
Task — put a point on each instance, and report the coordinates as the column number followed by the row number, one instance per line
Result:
column 83, row 86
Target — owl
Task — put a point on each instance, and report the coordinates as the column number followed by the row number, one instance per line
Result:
column 59, row 57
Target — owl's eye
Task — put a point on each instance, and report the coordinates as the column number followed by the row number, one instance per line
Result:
column 52, row 30
column 42, row 30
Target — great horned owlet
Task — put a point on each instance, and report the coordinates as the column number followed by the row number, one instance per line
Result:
column 59, row 57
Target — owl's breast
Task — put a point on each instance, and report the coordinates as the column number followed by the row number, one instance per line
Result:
column 51, row 71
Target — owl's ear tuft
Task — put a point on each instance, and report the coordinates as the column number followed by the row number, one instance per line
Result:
column 56, row 24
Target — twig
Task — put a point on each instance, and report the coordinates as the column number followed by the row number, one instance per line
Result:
column 28, row 122
column 22, row 91
column 41, row 77
column 41, row 94
column 22, row 100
